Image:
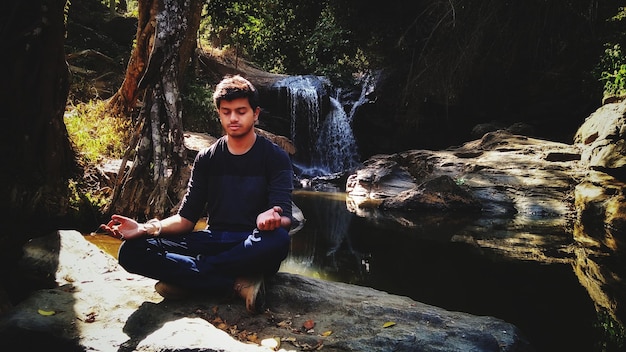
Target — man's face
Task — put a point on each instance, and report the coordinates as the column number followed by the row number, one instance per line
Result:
column 238, row 117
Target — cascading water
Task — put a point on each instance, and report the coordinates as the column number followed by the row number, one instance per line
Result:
column 324, row 146
column 304, row 102
column 335, row 147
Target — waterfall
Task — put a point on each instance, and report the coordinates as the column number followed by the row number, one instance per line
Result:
column 325, row 146
column 335, row 147
column 303, row 100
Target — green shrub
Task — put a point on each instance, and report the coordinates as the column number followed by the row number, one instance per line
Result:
column 613, row 71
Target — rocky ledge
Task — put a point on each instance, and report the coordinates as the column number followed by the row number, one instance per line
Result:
column 526, row 199
column 98, row 306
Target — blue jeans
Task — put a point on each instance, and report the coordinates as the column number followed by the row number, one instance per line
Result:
column 206, row 260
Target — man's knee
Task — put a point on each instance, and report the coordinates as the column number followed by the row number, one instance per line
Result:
column 281, row 237
column 127, row 255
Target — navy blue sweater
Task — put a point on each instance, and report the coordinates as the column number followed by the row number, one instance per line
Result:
column 233, row 189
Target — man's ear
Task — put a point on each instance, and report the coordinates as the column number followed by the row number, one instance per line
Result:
column 257, row 111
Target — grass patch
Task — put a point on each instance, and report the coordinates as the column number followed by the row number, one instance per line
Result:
column 96, row 134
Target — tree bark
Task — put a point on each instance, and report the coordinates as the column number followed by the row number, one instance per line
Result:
column 37, row 157
column 124, row 101
column 167, row 33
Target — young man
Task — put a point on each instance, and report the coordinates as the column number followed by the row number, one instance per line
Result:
column 243, row 183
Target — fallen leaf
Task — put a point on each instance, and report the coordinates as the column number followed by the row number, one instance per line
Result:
column 233, row 330
column 46, row 312
column 284, row 324
column 90, row 317
column 389, row 324
column 252, row 337
column 327, row 333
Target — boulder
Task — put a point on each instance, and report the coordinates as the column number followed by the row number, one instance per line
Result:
column 603, row 140
column 523, row 186
column 98, row 306
column 502, row 175
column 439, row 193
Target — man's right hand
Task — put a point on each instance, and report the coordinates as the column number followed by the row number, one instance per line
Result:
column 123, row 227
column 272, row 219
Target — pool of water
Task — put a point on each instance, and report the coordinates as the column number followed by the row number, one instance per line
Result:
column 545, row 300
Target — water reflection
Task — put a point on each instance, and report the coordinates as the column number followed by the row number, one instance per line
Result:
column 448, row 262
column 328, row 233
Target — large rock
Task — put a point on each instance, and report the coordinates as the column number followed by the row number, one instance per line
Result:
column 523, row 185
column 600, row 201
column 439, row 193
column 510, row 179
column 603, row 140
column 97, row 306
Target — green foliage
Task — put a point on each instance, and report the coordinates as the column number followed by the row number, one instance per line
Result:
column 85, row 205
column 621, row 15
column 284, row 36
column 94, row 133
column 131, row 5
column 611, row 70
column 612, row 332
column 328, row 51
column 133, row 8
column 199, row 112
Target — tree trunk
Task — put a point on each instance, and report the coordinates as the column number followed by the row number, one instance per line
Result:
column 36, row 154
column 37, row 157
column 124, row 101
column 166, row 38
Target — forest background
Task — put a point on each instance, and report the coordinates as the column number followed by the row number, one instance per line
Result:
column 67, row 103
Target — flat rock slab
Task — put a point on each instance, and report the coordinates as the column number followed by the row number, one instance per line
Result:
column 98, row 306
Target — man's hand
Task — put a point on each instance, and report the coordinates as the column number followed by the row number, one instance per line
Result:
column 123, row 227
column 270, row 219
